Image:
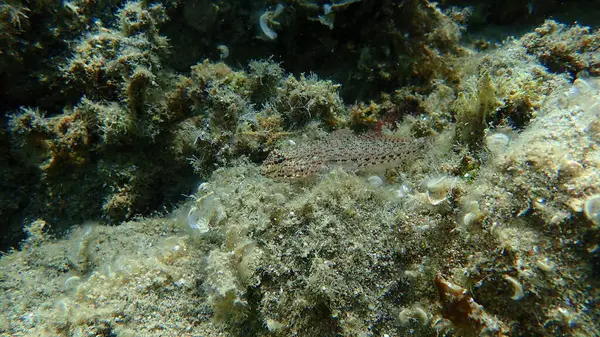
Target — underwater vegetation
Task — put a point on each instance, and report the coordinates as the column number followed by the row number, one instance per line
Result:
column 293, row 168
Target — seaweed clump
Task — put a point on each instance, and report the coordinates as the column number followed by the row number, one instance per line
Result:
column 249, row 255
column 565, row 49
column 125, row 107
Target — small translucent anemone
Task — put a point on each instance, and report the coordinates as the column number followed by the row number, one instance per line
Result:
column 438, row 189
column 267, row 19
column 197, row 221
column 472, row 213
column 591, row 209
column 497, row 143
column 517, row 287
column 375, row 181
column 207, row 211
column 415, row 313
column 223, row 51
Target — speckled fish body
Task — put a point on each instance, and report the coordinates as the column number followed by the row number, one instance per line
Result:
column 366, row 152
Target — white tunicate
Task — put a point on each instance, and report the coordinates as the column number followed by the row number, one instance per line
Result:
column 591, row 209
column 375, row 181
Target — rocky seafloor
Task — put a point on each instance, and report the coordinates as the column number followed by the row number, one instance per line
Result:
column 133, row 202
